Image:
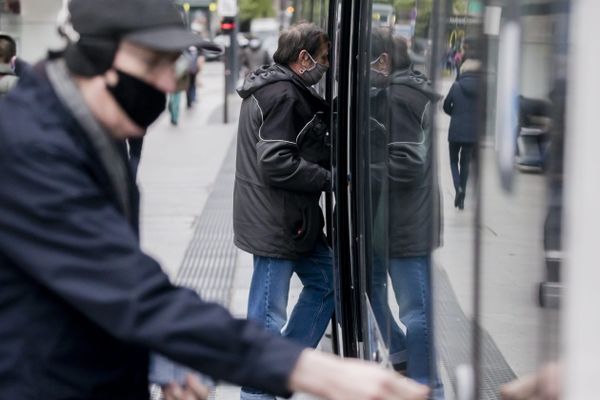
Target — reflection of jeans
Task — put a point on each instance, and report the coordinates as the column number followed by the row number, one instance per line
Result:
column 268, row 299
column 391, row 332
column 411, row 283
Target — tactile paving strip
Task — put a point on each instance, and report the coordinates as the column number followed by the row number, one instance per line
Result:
column 208, row 265
column 454, row 341
column 209, row 261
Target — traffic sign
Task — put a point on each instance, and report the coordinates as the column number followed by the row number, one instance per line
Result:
column 227, row 8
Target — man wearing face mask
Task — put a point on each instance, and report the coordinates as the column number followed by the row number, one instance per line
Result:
column 282, row 169
column 82, row 305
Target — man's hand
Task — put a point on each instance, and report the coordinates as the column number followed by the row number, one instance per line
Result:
column 193, row 390
column 334, row 378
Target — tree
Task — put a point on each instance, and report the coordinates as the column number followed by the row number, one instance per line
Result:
column 250, row 9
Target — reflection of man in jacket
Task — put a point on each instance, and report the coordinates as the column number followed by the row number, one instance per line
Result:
column 82, row 305
column 414, row 207
column 281, row 171
column 412, row 195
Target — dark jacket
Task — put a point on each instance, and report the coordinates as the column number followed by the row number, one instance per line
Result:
column 282, row 165
column 414, row 194
column 80, row 304
column 461, row 105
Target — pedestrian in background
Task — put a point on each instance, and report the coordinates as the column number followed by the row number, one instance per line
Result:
column 195, row 63
column 282, row 169
column 254, row 55
column 461, row 104
column 182, row 67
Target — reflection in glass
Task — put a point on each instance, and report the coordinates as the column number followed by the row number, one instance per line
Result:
column 403, row 193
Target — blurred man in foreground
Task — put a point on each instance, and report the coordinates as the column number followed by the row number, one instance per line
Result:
column 81, row 304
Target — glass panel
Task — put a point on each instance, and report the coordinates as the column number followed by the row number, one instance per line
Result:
column 521, row 206
column 400, row 196
column 459, row 84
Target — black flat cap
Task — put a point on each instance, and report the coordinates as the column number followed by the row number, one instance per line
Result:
column 154, row 24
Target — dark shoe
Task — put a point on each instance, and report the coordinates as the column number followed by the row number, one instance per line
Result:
column 461, row 199
column 460, row 194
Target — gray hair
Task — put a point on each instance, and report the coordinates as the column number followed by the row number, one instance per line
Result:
column 303, row 36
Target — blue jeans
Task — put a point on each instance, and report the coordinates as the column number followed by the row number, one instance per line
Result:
column 410, row 278
column 269, row 290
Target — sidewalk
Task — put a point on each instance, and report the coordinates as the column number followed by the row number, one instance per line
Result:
column 178, row 169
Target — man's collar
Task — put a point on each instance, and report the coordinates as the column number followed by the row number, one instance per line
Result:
column 5, row 69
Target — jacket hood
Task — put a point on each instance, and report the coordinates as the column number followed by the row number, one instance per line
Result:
column 266, row 75
column 415, row 80
column 469, row 83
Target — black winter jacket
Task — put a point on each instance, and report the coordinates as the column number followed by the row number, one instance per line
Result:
column 80, row 304
column 413, row 192
column 282, row 165
column 461, row 105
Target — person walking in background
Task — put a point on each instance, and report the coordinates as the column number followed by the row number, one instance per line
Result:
column 281, row 171
column 8, row 52
column 461, row 105
column 195, row 62
column 254, row 56
column 182, row 67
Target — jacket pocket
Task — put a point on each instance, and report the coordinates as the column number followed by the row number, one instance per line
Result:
column 301, row 221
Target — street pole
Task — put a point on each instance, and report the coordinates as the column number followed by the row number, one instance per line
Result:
column 226, row 85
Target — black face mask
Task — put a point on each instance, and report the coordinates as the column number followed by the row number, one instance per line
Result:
column 142, row 102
